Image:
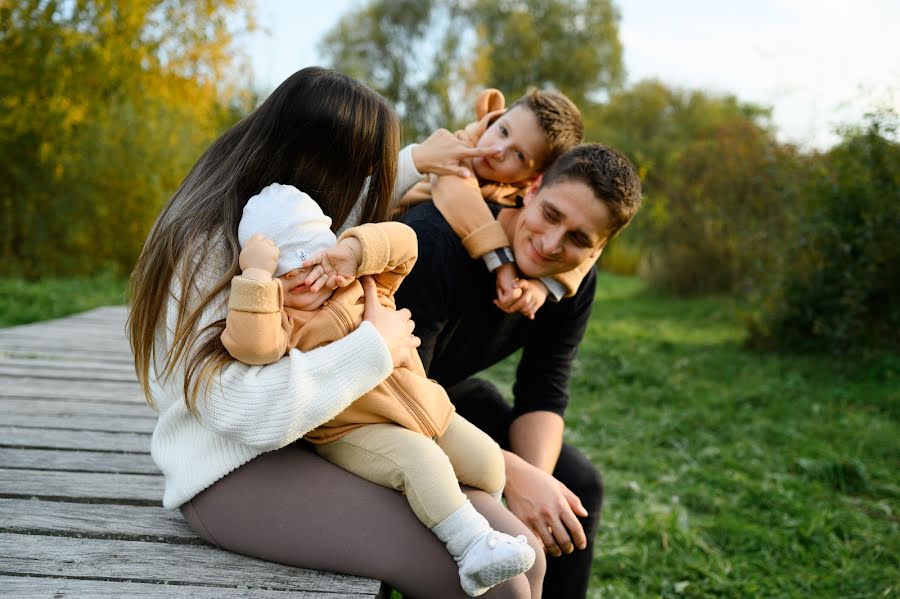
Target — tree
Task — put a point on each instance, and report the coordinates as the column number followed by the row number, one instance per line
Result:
column 106, row 105
column 430, row 57
column 717, row 185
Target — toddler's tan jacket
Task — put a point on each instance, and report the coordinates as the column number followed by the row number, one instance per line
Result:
column 464, row 206
column 259, row 329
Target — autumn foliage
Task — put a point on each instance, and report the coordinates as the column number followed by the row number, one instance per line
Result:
column 105, row 106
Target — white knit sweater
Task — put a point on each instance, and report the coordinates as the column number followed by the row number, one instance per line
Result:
column 249, row 410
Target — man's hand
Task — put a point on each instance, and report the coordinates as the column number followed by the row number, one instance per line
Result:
column 444, row 154
column 334, row 267
column 259, row 258
column 532, row 295
column 545, row 505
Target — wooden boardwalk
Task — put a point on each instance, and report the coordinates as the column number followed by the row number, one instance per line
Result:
column 80, row 511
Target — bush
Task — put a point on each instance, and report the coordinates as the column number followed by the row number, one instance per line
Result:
column 718, row 188
column 838, row 283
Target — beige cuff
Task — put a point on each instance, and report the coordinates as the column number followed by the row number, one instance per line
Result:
column 376, row 248
column 485, row 239
column 248, row 295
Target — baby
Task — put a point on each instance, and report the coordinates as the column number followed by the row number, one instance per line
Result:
column 404, row 433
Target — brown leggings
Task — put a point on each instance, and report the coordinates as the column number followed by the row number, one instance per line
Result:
column 293, row 507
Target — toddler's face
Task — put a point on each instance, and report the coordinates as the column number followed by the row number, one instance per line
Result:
column 520, row 148
column 299, row 296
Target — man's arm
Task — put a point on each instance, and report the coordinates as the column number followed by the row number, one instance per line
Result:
column 543, row 503
column 547, row 506
column 537, row 437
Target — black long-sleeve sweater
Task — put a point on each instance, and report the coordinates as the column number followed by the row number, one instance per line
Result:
column 462, row 332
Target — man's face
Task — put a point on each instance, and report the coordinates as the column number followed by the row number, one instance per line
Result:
column 558, row 228
column 520, row 148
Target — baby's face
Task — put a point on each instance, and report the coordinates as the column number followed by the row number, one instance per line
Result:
column 299, row 296
column 519, row 148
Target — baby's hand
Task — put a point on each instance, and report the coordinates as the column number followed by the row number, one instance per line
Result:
column 334, row 267
column 533, row 295
column 259, row 258
column 507, row 285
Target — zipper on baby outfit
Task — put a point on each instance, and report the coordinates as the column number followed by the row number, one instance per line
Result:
column 412, row 407
column 342, row 319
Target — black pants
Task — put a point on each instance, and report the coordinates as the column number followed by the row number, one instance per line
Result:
column 567, row 576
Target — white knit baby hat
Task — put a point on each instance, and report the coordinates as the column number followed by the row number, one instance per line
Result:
column 292, row 220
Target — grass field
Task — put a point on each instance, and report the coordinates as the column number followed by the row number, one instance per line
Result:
column 729, row 473
column 22, row 301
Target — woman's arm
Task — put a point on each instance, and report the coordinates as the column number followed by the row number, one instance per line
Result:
column 267, row 407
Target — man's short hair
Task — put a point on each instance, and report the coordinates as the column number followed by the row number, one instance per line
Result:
column 608, row 173
column 559, row 118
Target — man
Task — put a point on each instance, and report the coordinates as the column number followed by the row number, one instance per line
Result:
column 587, row 196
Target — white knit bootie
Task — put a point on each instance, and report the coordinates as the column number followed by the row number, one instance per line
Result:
column 485, row 557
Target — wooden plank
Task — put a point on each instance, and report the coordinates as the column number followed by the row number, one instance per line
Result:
column 69, row 374
column 44, row 388
column 77, row 461
column 31, row 346
column 35, row 348
column 38, row 555
column 11, row 436
column 87, row 422
column 69, row 364
column 123, row 522
column 105, row 341
column 62, row 330
column 81, row 407
column 29, row 587
column 69, row 328
column 138, row 489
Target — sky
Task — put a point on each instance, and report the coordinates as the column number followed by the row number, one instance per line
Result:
column 818, row 64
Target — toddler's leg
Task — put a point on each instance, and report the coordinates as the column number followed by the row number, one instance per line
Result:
column 398, row 458
column 395, row 457
column 476, row 458
column 486, row 557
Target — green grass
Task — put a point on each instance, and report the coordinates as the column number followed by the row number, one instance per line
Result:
column 730, row 472
column 23, row 301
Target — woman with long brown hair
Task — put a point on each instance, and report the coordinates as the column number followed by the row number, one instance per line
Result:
column 226, row 440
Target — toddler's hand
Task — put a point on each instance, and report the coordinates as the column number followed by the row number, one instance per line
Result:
column 334, row 267
column 507, row 286
column 259, row 258
column 533, row 295
column 444, row 154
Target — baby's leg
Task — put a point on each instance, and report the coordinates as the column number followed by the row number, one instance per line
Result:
column 476, row 458
column 398, row 458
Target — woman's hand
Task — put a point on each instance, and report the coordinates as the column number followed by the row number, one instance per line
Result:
column 444, row 154
column 395, row 326
column 259, row 258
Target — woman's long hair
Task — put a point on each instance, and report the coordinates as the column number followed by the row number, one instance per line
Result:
column 320, row 131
